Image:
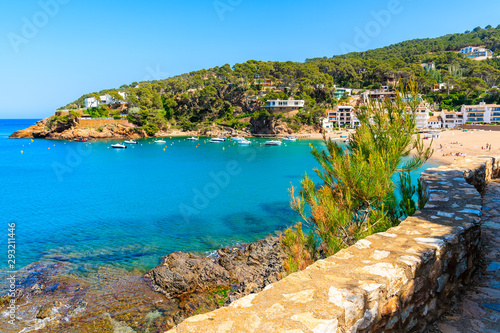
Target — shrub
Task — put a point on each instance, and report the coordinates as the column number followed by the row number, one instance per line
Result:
column 357, row 195
column 151, row 129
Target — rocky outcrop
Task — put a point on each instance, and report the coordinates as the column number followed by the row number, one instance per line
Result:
column 243, row 269
column 269, row 126
column 28, row 132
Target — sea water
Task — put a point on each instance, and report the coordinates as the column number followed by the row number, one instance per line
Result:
column 88, row 204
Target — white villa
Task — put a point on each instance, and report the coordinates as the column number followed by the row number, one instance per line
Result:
column 284, row 105
column 92, row 102
column 477, row 53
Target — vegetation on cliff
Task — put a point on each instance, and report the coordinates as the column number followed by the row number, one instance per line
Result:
column 357, row 194
column 224, row 95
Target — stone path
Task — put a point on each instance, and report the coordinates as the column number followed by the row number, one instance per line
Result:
column 479, row 308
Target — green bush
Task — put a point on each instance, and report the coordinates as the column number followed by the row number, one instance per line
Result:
column 151, row 129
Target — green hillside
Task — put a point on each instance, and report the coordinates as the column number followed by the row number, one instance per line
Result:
column 228, row 95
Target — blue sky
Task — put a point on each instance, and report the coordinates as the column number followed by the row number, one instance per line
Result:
column 54, row 51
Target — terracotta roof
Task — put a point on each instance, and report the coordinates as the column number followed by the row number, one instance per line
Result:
column 433, row 119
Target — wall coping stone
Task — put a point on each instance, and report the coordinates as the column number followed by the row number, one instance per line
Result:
column 394, row 281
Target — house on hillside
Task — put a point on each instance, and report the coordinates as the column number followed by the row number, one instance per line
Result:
column 92, row 102
column 477, row 53
column 285, row 106
column 340, row 92
column 442, row 87
column 378, row 95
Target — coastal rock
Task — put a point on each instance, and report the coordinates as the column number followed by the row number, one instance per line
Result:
column 267, row 126
column 28, row 132
column 245, row 269
column 183, row 273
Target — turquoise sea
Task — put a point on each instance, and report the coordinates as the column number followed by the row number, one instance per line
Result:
column 90, row 205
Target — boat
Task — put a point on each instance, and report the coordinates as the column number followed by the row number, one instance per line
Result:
column 216, row 140
column 273, row 143
column 118, row 145
column 193, row 139
column 81, row 139
column 160, row 141
column 238, row 138
column 131, row 142
column 244, row 142
column 290, row 138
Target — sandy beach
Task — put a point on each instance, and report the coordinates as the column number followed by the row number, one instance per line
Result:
column 449, row 144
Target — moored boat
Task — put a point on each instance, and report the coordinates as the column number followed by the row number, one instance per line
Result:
column 290, row 138
column 131, row 142
column 160, row 141
column 81, row 139
column 273, row 143
column 216, row 140
column 244, row 142
column 193, row 139
column 118, row 145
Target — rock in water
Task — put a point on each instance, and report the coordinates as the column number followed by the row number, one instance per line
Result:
column 246, row 269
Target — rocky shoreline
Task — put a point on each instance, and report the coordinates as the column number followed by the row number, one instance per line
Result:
column 71, row 130
column 52, row 298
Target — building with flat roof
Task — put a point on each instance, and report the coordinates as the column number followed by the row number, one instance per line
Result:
column 476, row 53
column 284, row 105
column 342, row 116
column 482, row 113
column 92, row 102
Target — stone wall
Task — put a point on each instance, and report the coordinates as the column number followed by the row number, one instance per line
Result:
column 102, row 122
column 396, row 281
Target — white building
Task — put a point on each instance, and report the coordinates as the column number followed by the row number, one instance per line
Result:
column 451, row 119
column 422, row 116
column 284, row 105
column 342, row 115
column 434, row 122
column 340, row 92
column 482, row 113
column 477, row 53
column 92, row 102
column 378, row 95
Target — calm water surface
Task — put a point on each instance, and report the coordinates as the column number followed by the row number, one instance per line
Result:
column 87, row 204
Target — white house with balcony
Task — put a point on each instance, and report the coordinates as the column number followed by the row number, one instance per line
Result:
column 451, row 119
column 477, row 53
column 92, row 102
column 422, row 114
column 284, row 105
column 341, row 116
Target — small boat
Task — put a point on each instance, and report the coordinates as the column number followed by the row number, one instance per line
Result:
column 160, row 141
column 193, row 139
column 238, row 138
column 216, row 140
column 273, row 143
column 81, row 139
column 131, row 142
column 118, row 145
column 244, row 142
column 290, row 138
